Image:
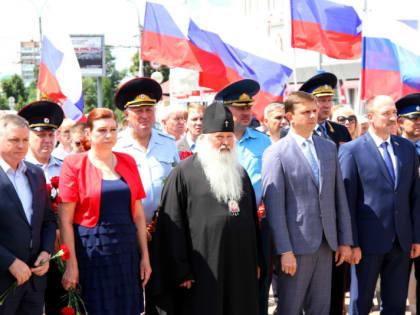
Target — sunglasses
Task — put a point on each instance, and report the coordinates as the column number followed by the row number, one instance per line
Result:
column 342, row 119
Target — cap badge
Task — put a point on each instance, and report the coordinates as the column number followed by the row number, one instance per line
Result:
column 418, row 108
column 142, row 96
column 244, row 97
column 46, row 120
column 226, row 123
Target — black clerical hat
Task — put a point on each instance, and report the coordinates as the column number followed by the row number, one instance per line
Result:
column 138, row 92
column 217, row 118
column 322, row 84
column 409, row 106
column 43, row 115
column 239, row 93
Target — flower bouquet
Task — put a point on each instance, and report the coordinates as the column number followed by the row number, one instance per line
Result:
column 63, row 253
column 52, row 189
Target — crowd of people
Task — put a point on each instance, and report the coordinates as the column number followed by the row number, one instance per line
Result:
column 203, row 215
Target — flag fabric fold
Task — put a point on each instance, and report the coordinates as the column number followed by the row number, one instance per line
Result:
column 390, row 59
column 59, row 76
column 330, row 28
column 173, row 38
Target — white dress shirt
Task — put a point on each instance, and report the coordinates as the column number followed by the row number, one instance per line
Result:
column 21, row 184
column 52, row 169
column 301, row 140
column 378, row 141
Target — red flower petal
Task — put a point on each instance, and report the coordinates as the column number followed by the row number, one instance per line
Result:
column 54, row 181
column 66, row 252
column 67, row 311
column 185, row 154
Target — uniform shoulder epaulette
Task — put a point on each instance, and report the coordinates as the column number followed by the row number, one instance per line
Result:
column 161, row 133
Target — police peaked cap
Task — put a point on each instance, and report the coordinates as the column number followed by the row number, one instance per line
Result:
column 409, row 106
column 43, row 115
column 138, row 92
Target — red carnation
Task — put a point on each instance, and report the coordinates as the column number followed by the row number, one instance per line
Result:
column 185, row 154
column 54, row 181
column 54, row 206
column 66, row 252
column 49, row 189
column 67, row 311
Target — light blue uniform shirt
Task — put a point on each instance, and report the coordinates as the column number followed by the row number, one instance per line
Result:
column 250, row 150
column 51, row 169
column 154, row 165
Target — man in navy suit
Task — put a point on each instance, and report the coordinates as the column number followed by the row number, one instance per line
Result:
column 27, row 224
column 381, row 176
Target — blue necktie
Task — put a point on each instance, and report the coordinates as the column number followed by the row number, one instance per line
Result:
column 388, row 160
column 311, row 159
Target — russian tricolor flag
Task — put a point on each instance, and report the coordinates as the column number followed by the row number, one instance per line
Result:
column 330, row 28
column 391, row 57
column 59, row 72
column 172, row 38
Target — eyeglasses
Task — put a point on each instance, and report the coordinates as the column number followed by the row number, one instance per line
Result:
column 342, row 119
column 77, row 143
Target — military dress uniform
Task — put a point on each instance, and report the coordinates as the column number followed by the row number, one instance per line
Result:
column 46, row 115
column 250, row 149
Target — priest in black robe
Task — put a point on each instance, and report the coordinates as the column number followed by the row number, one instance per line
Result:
column 206, row 252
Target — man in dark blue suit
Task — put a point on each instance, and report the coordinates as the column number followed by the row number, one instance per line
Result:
column 27, row 224
column 381, row 176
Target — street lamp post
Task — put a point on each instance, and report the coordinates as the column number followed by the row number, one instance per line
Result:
column 140, row 73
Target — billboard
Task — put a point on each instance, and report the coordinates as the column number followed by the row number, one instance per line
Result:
column 90, row 52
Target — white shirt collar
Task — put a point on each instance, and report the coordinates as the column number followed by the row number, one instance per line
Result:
column 299, row 139
column 189, row 140
column 6, row 167
column 378, row 141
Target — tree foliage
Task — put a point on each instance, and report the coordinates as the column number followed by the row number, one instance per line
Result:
column 147, row 68
column 15, row 87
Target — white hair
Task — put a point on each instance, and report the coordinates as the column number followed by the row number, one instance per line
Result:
column 166, row 111
column 222, row 170
column 269, row 108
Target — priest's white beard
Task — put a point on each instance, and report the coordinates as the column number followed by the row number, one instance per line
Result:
column 222, row 170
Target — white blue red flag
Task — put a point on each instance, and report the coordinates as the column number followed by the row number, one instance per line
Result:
column 391, row 57
column 59, row 76
column 173, row 38
column 328, row 27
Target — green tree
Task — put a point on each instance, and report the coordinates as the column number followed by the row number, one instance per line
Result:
column 147, row 69
column 4, row 103
column 15, row 87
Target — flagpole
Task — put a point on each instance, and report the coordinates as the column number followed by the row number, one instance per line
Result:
column 358, row 107
column 294, row 70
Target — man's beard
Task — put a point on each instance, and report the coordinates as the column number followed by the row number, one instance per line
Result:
column 222, row 170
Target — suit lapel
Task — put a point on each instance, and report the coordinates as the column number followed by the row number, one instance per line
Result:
column 372, row 148
column 299, row 154
column 10, row 190
column 33, row 184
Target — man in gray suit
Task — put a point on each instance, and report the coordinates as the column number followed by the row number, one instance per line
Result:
column 307, row 210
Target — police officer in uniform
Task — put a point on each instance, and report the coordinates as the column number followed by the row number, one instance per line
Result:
column 250, row 145
column 154, row 151
column 44, row 119
column 408, row 110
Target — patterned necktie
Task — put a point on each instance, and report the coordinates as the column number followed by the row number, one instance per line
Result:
column 388, row 160
column 311, row 158
column 321, row 131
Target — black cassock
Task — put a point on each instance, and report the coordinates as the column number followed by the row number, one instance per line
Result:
column 198, row 238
